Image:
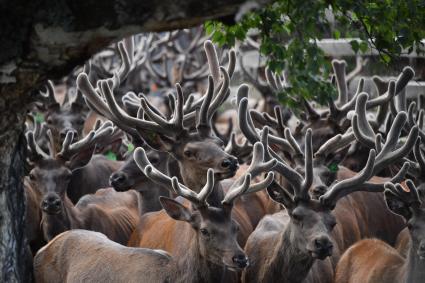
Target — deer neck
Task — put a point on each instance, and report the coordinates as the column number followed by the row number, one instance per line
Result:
column 149, row 194
column 415, row 267
column 65, row 220
column 192, row 267
column 289, row 262
column 196, row 180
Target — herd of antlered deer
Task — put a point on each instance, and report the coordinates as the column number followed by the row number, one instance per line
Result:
column 193, row 182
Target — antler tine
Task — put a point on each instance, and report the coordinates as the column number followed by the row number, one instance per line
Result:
column 212, row 60
column 200, row 199
column 51, row 144
column 308, row 165
column 411, row 197
column 126, row 49
column 69, row 149
column 35, row 150
column 150, row 171
column 388, row 153
column 361, row 127
column 410, row 117
column 336, row 143
column 124, row 118
column 246, row 188
column 360, row 63
column 258, row 163
column 339, row 70
column 384, row 98
column 417, row 151
column 403, row 79
column 50, row 93
column 172, row 127
column 221, row 96
column 293, row 177
column 271, row 79
column 240, row 151
column 350, row 185
column 203, row 123
column 290, row 138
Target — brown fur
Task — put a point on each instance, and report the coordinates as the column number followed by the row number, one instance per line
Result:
column 382, row 263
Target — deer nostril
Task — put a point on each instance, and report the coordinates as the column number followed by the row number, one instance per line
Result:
column 226, row 163
column 118, row 178
column 241, row 260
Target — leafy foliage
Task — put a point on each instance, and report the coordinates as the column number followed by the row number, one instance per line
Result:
column 289, row 30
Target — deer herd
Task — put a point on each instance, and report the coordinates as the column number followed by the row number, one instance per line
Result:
column 209, row 184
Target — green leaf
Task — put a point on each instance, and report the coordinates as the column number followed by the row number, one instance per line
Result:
column 130, row 147
column 333, row 167
column 355, row 45
column 110, row 155
column 39, row 117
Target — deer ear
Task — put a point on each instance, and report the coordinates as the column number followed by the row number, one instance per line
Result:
column 397, row 206
column 175, row 209
column 337, row 157
column 280, row 197
column 80, row 159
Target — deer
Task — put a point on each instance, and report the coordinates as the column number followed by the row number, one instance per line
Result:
column 128, row 176
column 285, row 245
column 113, row 213
column 334, row 121
column 372, row 260
column 187, row 135
column 359, row 224
column 209, row 236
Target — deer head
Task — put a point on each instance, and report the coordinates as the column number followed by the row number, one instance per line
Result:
column 188, row 134
column 68, row 117
column 52, row 172
column 215, row 229
column 407, row 204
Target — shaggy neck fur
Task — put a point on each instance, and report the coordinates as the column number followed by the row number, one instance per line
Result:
column 415, row 267
column 193, row 268
column 54, row 224
column 289, row 263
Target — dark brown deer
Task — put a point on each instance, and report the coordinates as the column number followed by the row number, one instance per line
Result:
column 129, row 177
column 354, row 226
column 114, row 214
column 375, row 261
column 208, row 235
column 285, row 245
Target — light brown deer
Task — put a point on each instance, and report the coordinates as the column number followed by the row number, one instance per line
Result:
column 209, row 237
column 375, row 261
column 114, row 214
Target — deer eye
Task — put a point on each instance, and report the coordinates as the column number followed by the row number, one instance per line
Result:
column 296, row 217
column 204, row 232
column 32, row 176
column 188, row 153
column 49, row 121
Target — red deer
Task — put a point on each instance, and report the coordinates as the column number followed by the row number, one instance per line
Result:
column 186, row 135
column 129, row 177
column 372, row 260
column 112, row 213
column 285, row 245
column 209, row 238
column 361, row 223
